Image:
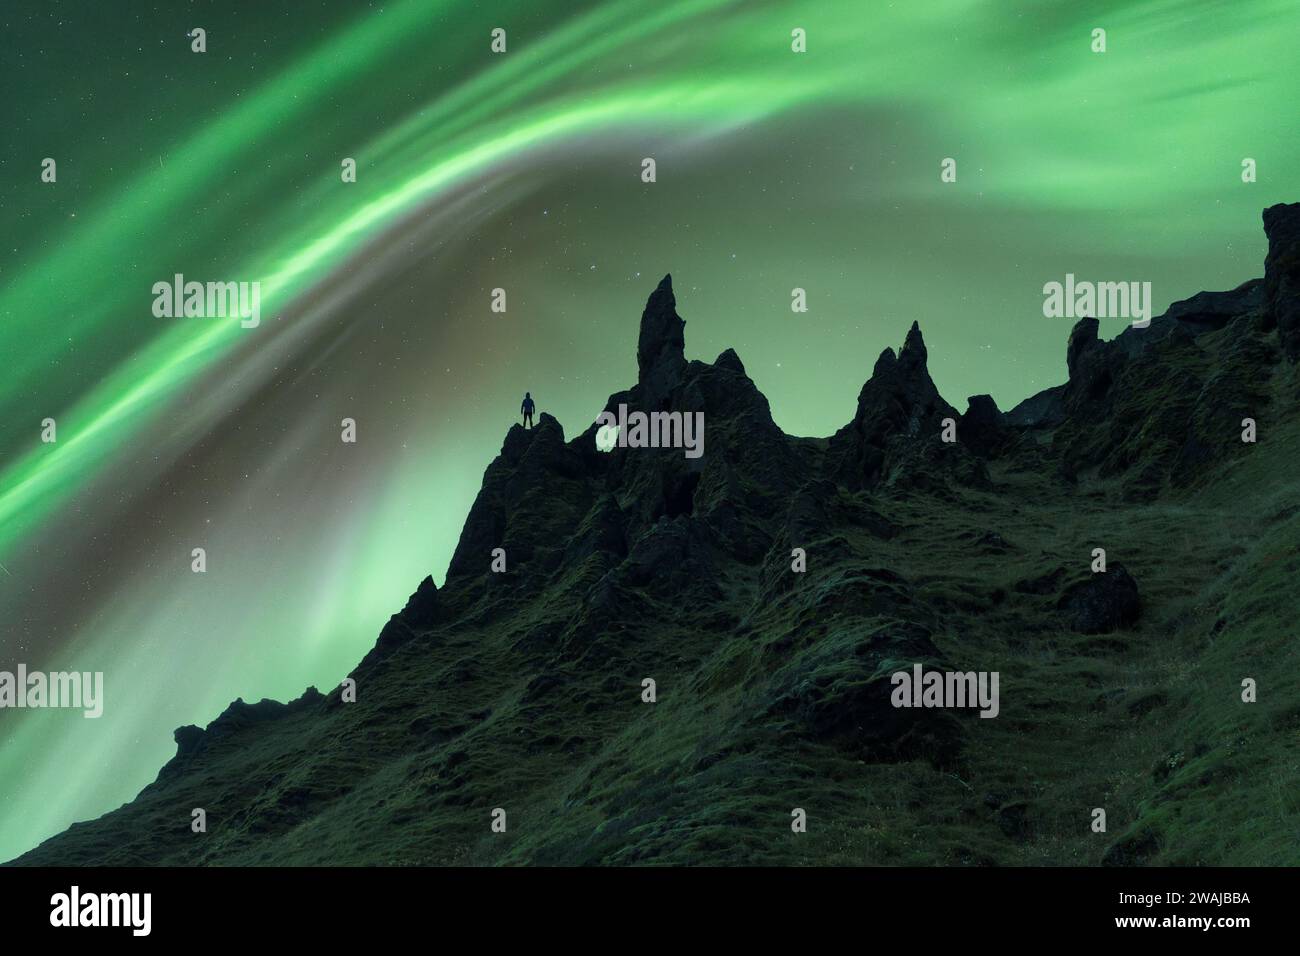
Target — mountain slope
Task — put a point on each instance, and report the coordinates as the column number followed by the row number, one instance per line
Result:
column 522, row 690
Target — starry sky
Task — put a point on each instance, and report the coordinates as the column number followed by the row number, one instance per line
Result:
column 519, row 170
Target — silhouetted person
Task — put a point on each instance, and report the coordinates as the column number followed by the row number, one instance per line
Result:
column 527, row 409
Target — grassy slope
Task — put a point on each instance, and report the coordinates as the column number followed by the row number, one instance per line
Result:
column 1146, row 723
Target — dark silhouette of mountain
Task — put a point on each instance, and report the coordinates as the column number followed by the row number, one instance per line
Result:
column 523, row 690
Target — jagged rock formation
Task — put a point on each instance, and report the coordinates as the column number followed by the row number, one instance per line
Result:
column 524, row 689
column 897, row 405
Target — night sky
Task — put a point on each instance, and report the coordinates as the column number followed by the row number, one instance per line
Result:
column 522, row 171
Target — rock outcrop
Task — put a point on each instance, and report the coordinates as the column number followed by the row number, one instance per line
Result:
column 1281, row 288
column 657, row 657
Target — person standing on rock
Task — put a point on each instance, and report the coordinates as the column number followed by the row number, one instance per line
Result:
column 527, row 409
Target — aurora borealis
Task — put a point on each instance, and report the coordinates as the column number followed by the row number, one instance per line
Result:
column 520, row 171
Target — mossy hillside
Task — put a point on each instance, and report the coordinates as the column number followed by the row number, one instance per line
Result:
column 523, row 690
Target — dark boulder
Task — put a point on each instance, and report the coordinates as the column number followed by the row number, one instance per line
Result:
column 1101, row 603
column 840, row 693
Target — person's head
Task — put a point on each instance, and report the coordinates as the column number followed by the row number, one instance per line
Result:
column 528, row 394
